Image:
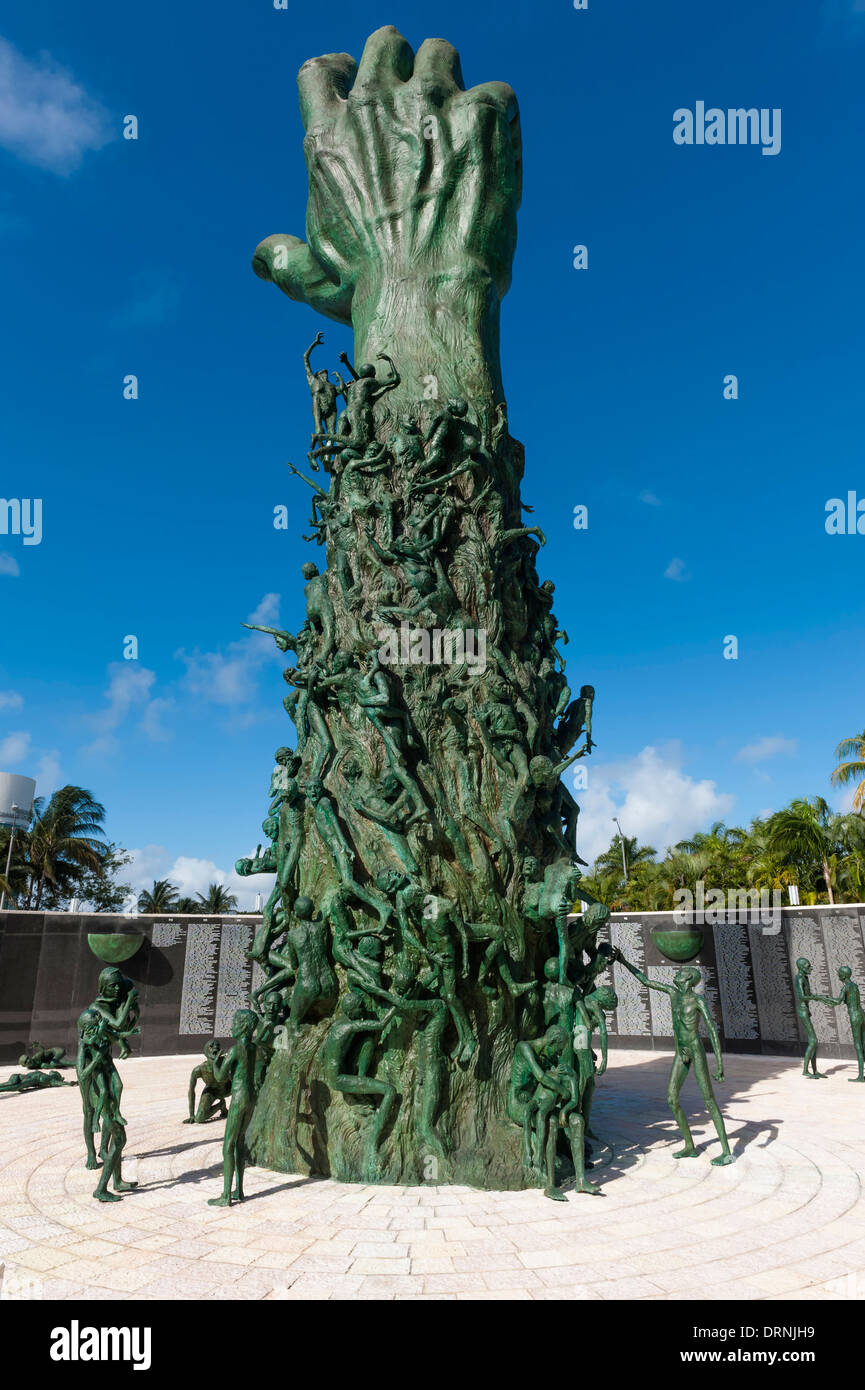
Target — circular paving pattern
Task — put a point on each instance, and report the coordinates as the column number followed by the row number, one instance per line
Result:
column 786, row 1220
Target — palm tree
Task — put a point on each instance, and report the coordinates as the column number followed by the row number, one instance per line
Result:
column 853, row 770
column 686, row 863
column 649, row 888
column 186, row 907
column 162, row 897
column 764, row 867
column 805, row 832
column 66, row 837
column 217, row 899
column 635, row 854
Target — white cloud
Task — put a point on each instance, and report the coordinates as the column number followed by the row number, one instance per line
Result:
column 676, row 570
column 129, row 687
column 649, row 498
column 14, row 748
column 47, row 773
column 46, row 117
column 191, row 876
column 771, row 746
column 653, row 798
column 151, row 725
column 230, row 677
column 10, row 699
column 18, row 747
column 9, row 565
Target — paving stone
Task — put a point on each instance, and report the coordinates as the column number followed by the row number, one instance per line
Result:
column 787, row 1220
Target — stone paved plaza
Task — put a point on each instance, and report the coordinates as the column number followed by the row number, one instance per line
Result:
column 786, row 1220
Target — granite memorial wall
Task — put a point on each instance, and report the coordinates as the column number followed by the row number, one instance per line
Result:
column 748, row 966
column 193, row 972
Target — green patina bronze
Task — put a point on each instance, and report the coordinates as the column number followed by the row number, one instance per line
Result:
column 237, row 1070
column 423, row 839
column 114, row 947
column 211, row 1103
column 38, row 1055
column 804, row 1000
column 33, row 1081
column 688, row 1008
column 679, row 944
column 110, row 1020
column 851, row 996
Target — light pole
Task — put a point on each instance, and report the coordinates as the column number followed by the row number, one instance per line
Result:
column 622, row 843
column 14, row 808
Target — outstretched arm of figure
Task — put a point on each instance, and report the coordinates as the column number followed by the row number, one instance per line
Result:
column 288, row 639
column 713, row 1037
column 400, row 1005
column 319, row 338
column 368, row 469
column 643, row 979
column 389, row 822
column 390, row 382
column 343, row 357
column 339, row 681
column 386, row 555
column 315, row 487
column 375, row 1025
column 518, row 531
column 360, row 931
column 444, row 478
column 430, row 516
column 566, row 762
column 332, row 447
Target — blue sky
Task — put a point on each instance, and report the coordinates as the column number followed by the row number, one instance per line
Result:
column 706, row 516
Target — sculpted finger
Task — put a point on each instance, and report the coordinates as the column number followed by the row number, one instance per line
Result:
column 322, row 84
column 438, row 64
column 498, row 94
column 502, row 98
column 288, row 263
column 387, row 59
